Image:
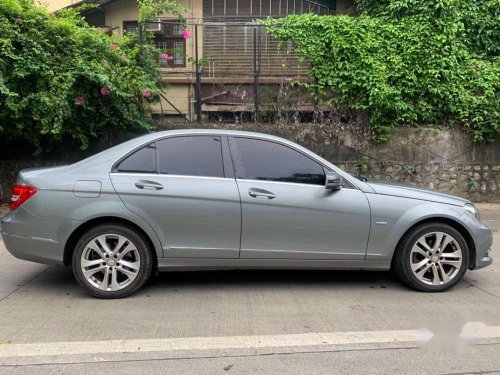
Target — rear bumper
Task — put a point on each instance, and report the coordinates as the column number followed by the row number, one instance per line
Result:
column 34, row 238
column 39, row 250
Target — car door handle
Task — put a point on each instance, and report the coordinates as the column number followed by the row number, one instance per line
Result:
column 148, row 185
column 261, row 193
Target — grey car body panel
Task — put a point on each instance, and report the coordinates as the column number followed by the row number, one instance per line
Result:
column 55, row 199
column 87, row 189
column 189, row 264
column 193, row 216
column 303, row 222
column 39, row 229
column 393, row 216
column 412, row 192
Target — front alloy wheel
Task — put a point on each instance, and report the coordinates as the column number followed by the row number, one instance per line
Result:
column 112, row 261
column 432, row 257
column 436, row 258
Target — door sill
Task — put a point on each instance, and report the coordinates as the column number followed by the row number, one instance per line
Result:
column 206, row 264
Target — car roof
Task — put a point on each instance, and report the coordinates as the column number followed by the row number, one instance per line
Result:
column 165, row 133
column 109, row 156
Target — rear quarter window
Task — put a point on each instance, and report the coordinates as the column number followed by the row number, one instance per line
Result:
column 141, row 161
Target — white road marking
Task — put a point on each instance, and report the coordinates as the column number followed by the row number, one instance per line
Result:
column 224, row 342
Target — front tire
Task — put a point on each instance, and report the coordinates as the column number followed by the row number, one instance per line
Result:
column 112, row 261
column 432, row 257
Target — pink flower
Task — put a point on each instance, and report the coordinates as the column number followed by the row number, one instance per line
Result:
column 146, row 94
column 80, row 100
column 166, row 57
column 186, row 34
column 113, row 46
column 105, row 91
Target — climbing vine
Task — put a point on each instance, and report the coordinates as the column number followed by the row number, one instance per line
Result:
column 406, row 62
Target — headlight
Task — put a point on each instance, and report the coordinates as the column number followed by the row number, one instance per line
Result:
column 472, row 210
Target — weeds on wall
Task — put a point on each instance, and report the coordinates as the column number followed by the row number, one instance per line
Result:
column 405, row 62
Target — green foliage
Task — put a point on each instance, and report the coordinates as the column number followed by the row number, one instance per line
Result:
column 473, row 184
column 363, row 167
column 409, row 169
column 150, row 9
column 383, row 162
column 61, row 78
column 406, row 62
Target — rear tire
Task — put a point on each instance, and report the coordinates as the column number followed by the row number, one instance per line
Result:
column 432, row 257
column 112, row 261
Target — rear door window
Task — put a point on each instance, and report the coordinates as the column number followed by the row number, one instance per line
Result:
column 191, row 156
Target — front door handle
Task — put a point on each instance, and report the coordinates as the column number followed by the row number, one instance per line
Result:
column 148, row 185
column 261, row 193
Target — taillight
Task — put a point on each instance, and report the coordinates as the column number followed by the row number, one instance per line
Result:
column 20, row 194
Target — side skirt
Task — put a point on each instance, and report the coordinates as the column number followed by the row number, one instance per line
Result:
column 204, row 264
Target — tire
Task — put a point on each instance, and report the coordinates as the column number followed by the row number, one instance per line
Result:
column 424, row 264
column 117, row 269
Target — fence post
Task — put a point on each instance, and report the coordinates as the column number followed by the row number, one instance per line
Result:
column 140, row 40
column 256, row 70
column 198, row 76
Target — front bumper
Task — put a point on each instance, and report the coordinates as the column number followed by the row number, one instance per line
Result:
column 483, row 239
column 483, row 262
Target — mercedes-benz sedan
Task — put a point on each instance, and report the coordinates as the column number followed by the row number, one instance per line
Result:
column 216, row 199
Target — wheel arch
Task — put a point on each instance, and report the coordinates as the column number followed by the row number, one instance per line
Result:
column 452, row 223
column 69, row 247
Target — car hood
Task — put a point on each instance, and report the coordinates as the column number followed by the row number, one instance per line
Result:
column 412, row 192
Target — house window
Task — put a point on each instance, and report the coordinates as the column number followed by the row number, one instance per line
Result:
column 179, row 53
column 130, row 28
column 274, row 8
column 178, row 29
column 168, row 39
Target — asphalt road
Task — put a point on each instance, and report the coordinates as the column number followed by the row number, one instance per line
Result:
column 246, row 322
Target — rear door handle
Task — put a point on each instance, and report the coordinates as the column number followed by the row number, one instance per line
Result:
column 261, row 193
column 148, row 185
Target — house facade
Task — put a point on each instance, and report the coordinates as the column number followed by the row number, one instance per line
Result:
column 237, row 60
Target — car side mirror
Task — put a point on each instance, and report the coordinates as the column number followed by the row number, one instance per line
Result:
column 333, row 181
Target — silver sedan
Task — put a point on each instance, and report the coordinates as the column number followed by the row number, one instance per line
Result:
column 216, row 199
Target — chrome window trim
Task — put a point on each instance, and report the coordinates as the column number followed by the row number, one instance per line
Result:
column 221, row 134
column 306, row 154
column 169, row 175
column 156, row 142
column 291, row 183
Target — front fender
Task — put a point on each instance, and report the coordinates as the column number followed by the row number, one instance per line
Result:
column 393, row 216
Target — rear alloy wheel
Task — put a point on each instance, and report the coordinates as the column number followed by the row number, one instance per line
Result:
column 432, row 258
column 112, row 261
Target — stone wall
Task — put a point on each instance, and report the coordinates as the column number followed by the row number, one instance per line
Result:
column 445, row 160
column 478, row 182
column 441, row 159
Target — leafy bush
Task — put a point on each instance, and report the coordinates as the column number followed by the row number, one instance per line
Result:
column 60, row 78
column 406, row 61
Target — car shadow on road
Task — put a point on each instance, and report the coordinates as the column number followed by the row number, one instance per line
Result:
column 275, row 278
column 60, row 280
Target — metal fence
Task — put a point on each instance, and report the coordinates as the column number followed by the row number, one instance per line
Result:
column 237, row 69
